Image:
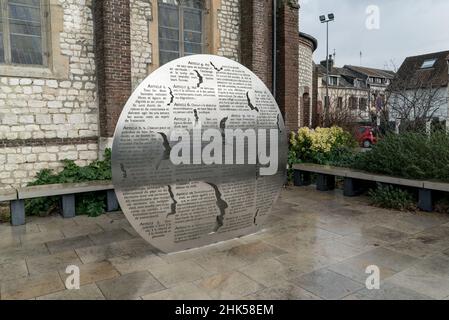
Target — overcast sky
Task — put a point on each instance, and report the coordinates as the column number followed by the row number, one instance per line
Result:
column 406, row 28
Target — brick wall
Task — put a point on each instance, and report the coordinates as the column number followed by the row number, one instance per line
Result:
column 256, row 38
column 287, row 72
column 113, row 55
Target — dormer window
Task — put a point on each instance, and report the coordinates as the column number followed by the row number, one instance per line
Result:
column 429, row 63
column 333, row 81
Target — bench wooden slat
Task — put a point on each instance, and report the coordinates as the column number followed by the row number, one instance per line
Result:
column 8, row 194
column 63, row 189
column 323, row 169
column 384, row 179
column 356, row 174
column 438, row 186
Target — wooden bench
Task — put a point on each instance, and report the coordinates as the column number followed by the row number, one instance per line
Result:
column 353, row 179
column 67, row 192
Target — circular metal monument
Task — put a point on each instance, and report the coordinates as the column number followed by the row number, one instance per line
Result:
column 199, row 153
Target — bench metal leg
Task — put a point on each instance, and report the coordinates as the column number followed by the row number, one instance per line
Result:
column 112, row 203
column 17, row 212
column 425, row 200
column 325, row 182
column 352, row 187
column 301, row 178
column 68, row 206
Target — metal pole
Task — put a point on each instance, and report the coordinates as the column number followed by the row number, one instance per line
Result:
column 274, row 66
column 326, row 100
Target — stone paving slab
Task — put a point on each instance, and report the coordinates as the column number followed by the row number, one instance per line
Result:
column 228, row 285
column 87, row 292
column 67, row 244
column 328, row 284
column 187, row 291
column 130, row 286
column 93, row 272
column 315, row 246
column 52, row 262
column 31, row 287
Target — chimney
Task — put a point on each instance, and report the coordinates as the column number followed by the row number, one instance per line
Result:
column 331, row 62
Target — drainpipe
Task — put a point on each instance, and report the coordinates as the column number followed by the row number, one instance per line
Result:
column 274, row 67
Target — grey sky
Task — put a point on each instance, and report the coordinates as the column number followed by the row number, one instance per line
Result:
column 407, row 28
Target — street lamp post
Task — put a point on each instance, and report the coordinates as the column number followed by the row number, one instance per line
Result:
column 323, row 19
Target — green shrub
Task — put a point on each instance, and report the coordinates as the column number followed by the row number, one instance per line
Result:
column 319, row 145
column 442, row 205
column 92, row 204
column 408, row 155
column 392, row 198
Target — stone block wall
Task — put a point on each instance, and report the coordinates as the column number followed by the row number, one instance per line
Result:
column 40, row 117
column 229, row 29
column 141, row 49
column 305, row 80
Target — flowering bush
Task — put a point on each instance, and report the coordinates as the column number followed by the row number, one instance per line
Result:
column 322, row 145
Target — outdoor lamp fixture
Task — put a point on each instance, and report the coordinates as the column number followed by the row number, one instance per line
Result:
column 323, row 19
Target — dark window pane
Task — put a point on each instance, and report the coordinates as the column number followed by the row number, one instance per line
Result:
column 25, row 31
column 190, row 36
column 192, row 48
column 170, row 30
column 2, row 51
column 165, row 33
column 20, row 12
column 33, row 3
column 169, row 48
column 168, row 16
column 165, row 57
column 198, row 4
column 22, row 27
column 26, row 49
column 192, row 20
column 169, row 45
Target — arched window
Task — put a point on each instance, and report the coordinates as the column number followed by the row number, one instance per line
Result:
column 22, row 39
column 181, row 28
column 305, row 110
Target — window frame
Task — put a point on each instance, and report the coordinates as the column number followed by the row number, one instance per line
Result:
column 4, row 11
column 428, row 63
column 181, row 29
column 57, row 67
column 363, row 104
column 331, row 81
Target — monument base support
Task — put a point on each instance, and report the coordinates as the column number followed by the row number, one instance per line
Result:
column 301, row 178
column 325, row 182
column 425, row 200
column 112, row 203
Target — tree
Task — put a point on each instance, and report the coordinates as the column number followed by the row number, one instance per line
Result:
column 414, row 98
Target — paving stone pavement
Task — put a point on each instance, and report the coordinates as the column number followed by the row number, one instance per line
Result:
column 316, row 245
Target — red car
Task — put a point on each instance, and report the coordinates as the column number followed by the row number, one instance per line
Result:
column 366, row 137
